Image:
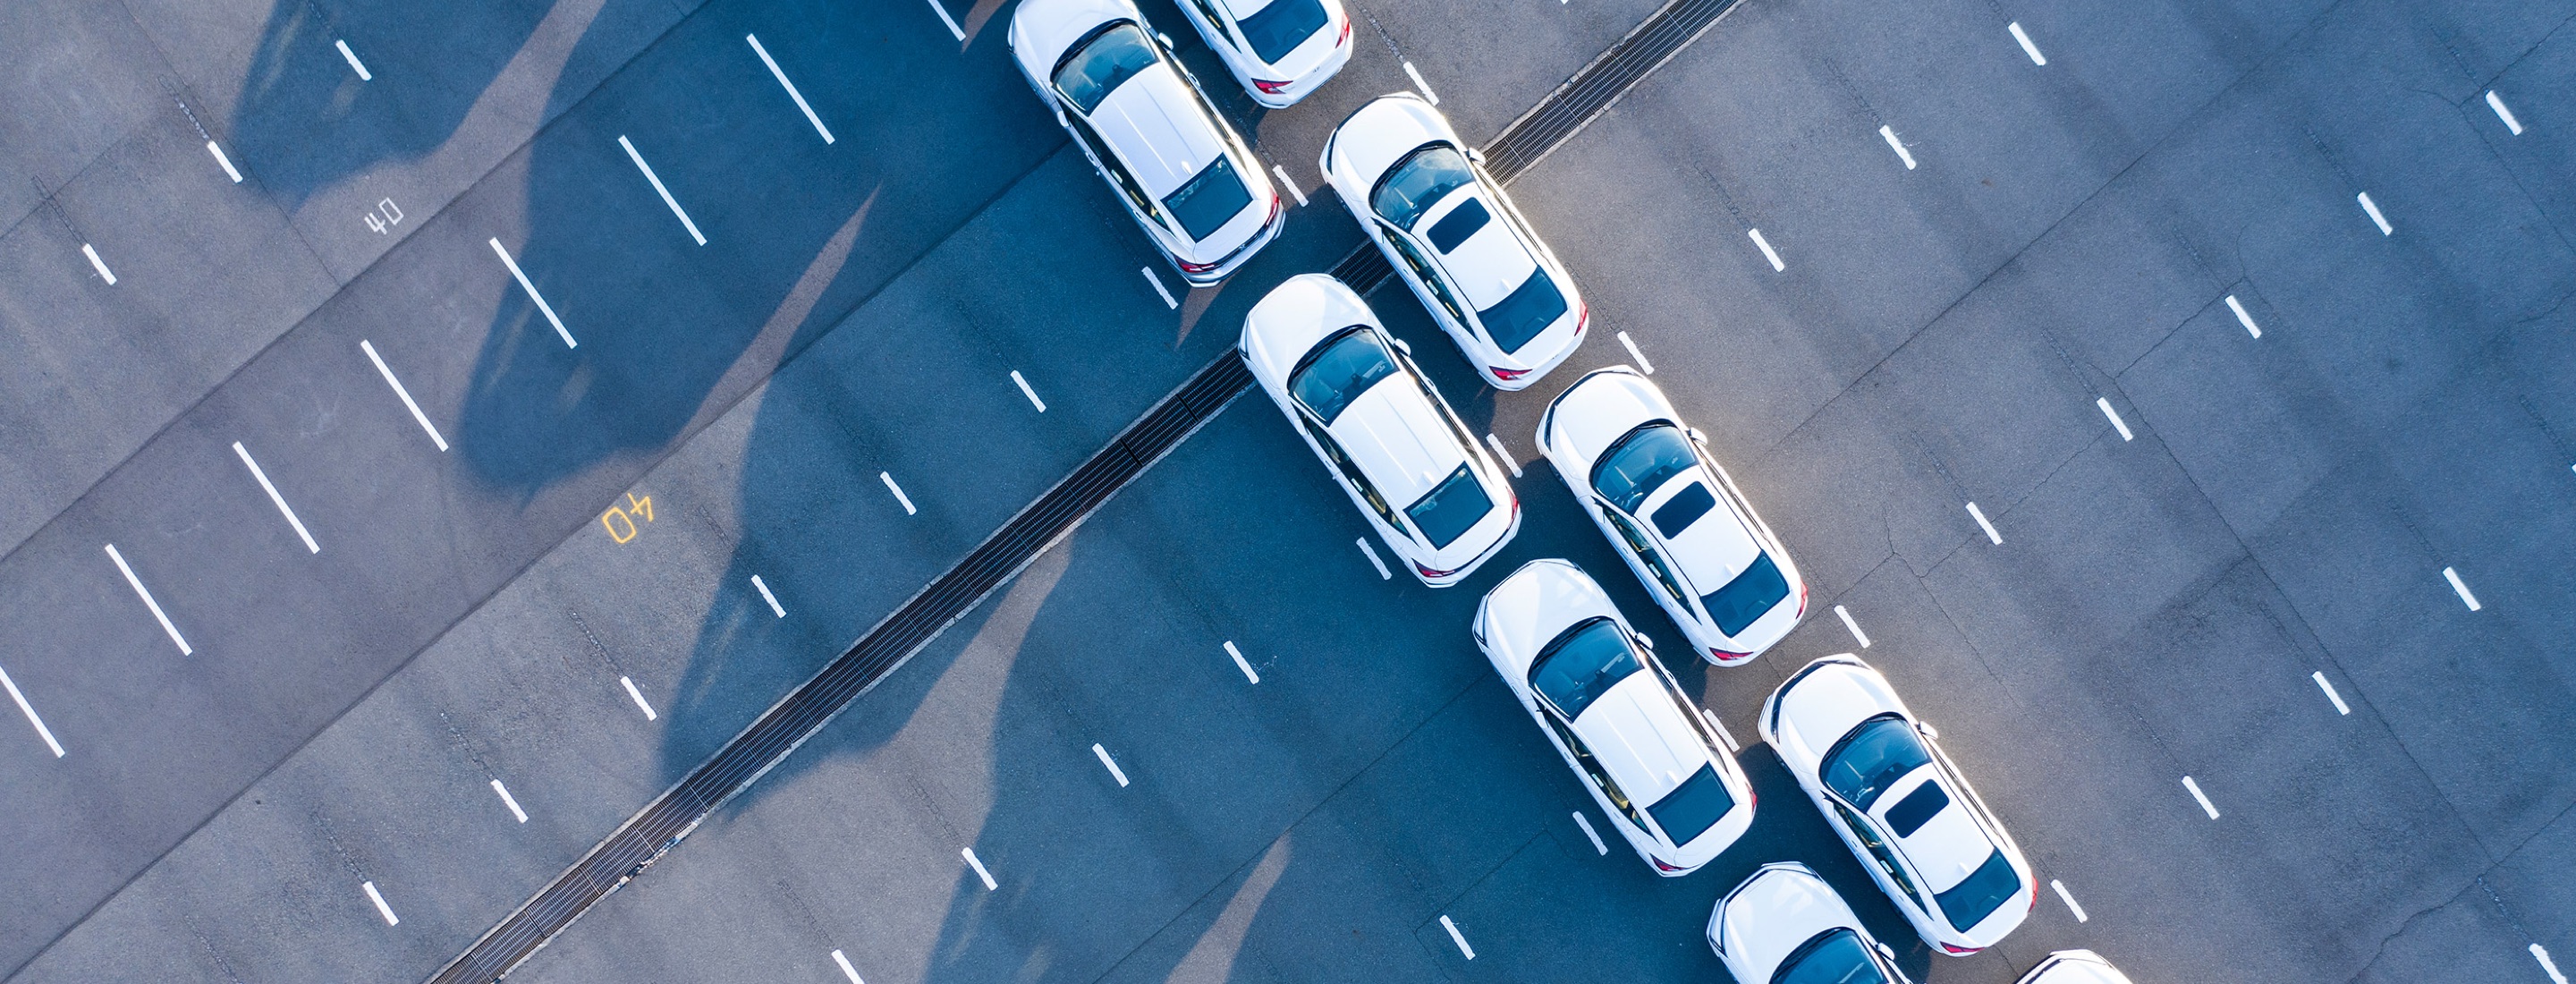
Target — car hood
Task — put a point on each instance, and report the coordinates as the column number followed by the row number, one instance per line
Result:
column 1041, row 30
column 1773, row 913
column 1640, row 737
column 1529, row 607
column 1381, row 133
column 2074, row 967
column 1158, row 128
column 1821, row 706
column 1598, row 409
column 1289, row 321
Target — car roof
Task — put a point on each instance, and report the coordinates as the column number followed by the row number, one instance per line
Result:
column 1946, row 848
column 1372, row 139
column 1826, row 701
column 1714, row 548
column 1776, row 911
column 1530, row 606
column 1296, row 316
column 1490, row 264
column 1041, row 30
column 1159, row 129
column 1396, row 437
column 1639, row 736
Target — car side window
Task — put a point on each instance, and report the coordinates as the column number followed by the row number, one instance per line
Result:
column 1350, row 472
column 1214, row 19
column 1645, row 551
column 1592, row 769
column 1117, row 170
column 1423, row 271
column 1878, row 852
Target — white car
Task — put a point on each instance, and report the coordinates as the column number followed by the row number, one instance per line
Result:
column 1673, row 514
column 1784, row 925
column 1279, row 49
column 1182, row 172
column 1430, row 491
column 1650, row 759
column 2074, row 967
column 1456, row 239
column 1900, row 804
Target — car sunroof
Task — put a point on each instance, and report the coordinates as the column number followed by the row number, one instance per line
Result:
column 1916, row 809
column 1460, row 223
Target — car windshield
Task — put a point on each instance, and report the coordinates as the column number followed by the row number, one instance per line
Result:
column 1450, row 508
column 1641, row 463
column 1215, row 195
column 1277, row 29
column 1112, row 57
column 1750, row 596
column 1524, row 312
column 1339, row 372
column 1977, row 896
column 1835, row 956
column 1692, row 807
column 1873, row 757
column 1582, row 664
column 1421, row 180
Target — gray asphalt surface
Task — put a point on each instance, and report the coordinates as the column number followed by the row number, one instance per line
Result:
column 2162, row 604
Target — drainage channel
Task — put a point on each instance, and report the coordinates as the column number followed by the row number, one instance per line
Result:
column 660, row 825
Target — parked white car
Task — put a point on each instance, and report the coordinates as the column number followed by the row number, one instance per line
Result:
column 1431, row 493
column 2074, row 967
column 1784, row 925
column 1900, row 804
column 1456, row 239
column 1279, row 49
column 1651, row 760
column 1183, row 173
column 1673, row 514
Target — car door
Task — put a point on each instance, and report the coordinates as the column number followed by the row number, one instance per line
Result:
column 1354, row 481
column 1646, row 560
column 1889, row 870
column 1139, row 204
column 1428, row 286
column 1576, row 750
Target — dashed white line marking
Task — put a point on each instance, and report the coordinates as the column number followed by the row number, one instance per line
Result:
column 2069, row 898
column 2375, row 218
column 633, row 691
column 888, row 478
column 2027, row 48
column 763, row 587
column 379, row 898
column 1723, row 735
column 2453, row 576
column 1647, row 367
column 387, row 371
column 1416, row 75
column 1898, row 146
column 273, row 497
column 1289, row 183
column 1767, row 252
column 953, row 29
column 1241, row 663
column 1382, row 573
column 1862, row 637
column 2548, row 966
column 978, row 864
column 509, row 801
column 354, row 63
column 1983, row 524
column 781, row 75
column 146, row 594
column 1505, row 456
column 2329, row 687
column 98, row 264
column 30, row 711
column 1458, row 938
column 522, row 277
column 2496, row 102
column 1168, row 300
column 2205, row 805
column 846, row 970
column 1026, row 391
column 2121, row 425
column 229, row 170
column 1586, row 823
column 2243, row 318
column 1114, row 771
column 659, row 189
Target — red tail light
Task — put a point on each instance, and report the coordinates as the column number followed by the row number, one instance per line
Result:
column 1270, row 87
column 1723, row 656
column 1506, row 375
column 1189, row 267
column 1961, row 951
column 1429, row 573
column 1661, row 866
column 1582, row 317
column 1346, row 34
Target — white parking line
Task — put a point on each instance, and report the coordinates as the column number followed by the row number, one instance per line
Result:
column 1982, row 523
column 2069, row 898
column 1497, row 444
column 548, row 309
column 1168, row 300
column 1114, row 771
column 2205, row 805
column 2329, row 688
column 1727, row 736
column 229, row 170
column 772, row 599
column 1902, row 154
column 1456, row 937
column 1382, row 573
column 2496, row 102
column 638, row 694
column 1586, row 823
column 978, row 864
column 2547, row 966
column 1416, row 76
column 379, row 899
column 2243, row 318
column 2027, row 48
column 2116, row 422
column 1241, row 663
column 1642, row 364
column 280, row 500
column 888, row 478
column 509, row 801
column 434, row 436
column 781, row 75
column 1767, row 252
column 660, row 190
column 953, row 29
column 1026, row 391
column 1289, row 183
column 1863, row 637
column 146, row 594
column 2453, row 576
column 30, row 711
column 98, row 264
column 361, row 67
column 846, row 970
column 2375, row 218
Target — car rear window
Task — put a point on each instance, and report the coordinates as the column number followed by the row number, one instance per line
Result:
column 1916, row 809
column 1834, row 956
column 1977, row 896
column 1339, row 372
column 1524, row 312
column 1692, row 807
column 1102, row 64
column 1460, row 223
column 1277, row 29
column 1581, row 664
column 1210, row 198
column 1419, row 181
column 1640, row 463
column 1451, row 508
column 1873, row 757
column 1750, row 596
column 1683, row 509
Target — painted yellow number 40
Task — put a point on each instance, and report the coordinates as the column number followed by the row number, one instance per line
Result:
column 619, row 521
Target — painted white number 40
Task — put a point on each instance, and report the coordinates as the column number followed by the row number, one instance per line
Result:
column 384, row 216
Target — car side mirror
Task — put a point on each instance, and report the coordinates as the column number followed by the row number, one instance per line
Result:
column 1885, row 951
column 1401, row 345
column 1165, row 38
column 1476, row 157
column 1928, row 730
column 1643, row 642
column 1697, row 437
